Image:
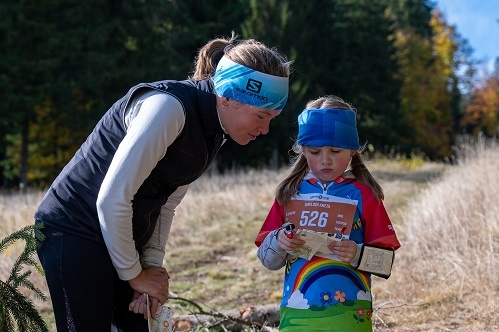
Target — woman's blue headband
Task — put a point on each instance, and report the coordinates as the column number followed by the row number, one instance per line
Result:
column 328, row 127
column 249, row 86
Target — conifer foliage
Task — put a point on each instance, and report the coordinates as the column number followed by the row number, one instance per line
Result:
column 17, row 312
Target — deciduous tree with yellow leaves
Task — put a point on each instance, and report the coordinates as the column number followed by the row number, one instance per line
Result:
column 427, row 68
column 482, row 112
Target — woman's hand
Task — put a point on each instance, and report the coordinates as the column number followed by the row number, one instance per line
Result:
column 139, row 305
column 154, row 303
column 153, row 281
column 345, row 250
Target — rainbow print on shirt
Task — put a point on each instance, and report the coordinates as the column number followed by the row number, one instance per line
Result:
column 324, row 294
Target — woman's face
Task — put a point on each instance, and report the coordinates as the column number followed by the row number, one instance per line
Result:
column 244, row 122
column 327, row 162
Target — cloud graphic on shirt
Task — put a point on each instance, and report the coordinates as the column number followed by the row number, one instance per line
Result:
column 361, row 295
column 297, row 301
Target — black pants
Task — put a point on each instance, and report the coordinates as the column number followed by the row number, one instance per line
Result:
column 86, row 293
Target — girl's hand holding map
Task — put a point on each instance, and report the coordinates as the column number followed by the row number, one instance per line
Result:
column 345, row 250
column 289, row 243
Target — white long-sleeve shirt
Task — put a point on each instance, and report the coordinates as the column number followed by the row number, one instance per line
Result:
column 153, row 121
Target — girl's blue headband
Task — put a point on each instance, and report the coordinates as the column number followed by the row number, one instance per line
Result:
column 249, row 86
column 328, row 127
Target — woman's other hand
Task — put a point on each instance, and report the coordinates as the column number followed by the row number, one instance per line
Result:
column 153, row 281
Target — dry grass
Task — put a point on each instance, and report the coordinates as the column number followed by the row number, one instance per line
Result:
column 444, row 276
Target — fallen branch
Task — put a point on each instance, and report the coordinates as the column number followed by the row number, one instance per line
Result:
column 263, row 318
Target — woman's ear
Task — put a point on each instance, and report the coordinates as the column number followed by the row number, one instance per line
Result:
column 223, row 102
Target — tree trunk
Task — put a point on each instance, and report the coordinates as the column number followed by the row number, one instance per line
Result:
column 24, row 156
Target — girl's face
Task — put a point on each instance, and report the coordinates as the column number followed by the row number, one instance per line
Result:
column 327, row 162
column 243, row 122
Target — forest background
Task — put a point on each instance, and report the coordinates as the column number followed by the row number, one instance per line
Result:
column 63, row 63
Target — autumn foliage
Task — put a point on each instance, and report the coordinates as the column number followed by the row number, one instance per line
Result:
column 482, row 113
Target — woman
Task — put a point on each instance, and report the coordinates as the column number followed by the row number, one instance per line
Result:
column 108, row 213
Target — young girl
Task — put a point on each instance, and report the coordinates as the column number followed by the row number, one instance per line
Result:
column 327, row 292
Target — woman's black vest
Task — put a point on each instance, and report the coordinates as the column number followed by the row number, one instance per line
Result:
column 70, row 203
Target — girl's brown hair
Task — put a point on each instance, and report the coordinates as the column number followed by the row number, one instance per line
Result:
column 250, row 53
column 299, row 167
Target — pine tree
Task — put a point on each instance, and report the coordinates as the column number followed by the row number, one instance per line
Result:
column 17, row 312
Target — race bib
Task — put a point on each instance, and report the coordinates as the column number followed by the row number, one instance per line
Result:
column 322, row 213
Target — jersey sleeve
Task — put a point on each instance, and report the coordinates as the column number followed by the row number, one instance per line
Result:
column 379, row 230
column 274, row 220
